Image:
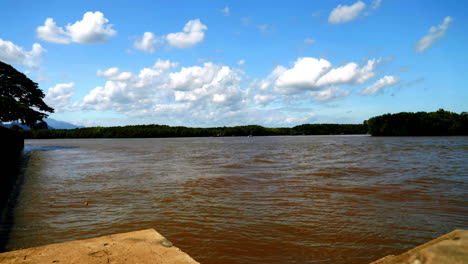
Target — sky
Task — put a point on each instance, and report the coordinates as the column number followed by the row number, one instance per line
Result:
column 227, row 63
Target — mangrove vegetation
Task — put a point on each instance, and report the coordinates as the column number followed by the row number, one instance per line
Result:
column 439, row 123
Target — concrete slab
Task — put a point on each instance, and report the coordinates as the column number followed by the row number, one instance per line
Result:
column 142, row 247
column 451, row 248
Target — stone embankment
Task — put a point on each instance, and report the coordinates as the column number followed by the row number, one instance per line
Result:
column 11, row 144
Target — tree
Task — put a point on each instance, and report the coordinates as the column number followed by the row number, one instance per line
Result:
column 20, row 98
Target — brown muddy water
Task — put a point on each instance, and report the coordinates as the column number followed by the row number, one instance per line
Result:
column 305, row 199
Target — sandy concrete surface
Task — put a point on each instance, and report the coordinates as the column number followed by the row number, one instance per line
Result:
column 146, row 246
column 451, row 248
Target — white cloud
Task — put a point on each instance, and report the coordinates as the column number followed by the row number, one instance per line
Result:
column 264, row 99
column 225, row 11
column 379, row 85
column 266, row 85
column 435, row 33
column 193, row 33
column 262, row 90
column 210, row 84
column 376, row 4
column 51, row 33
column 314, row 74
column 339, row 75
column 14, row 54
column 241, row 62
column 147, row 43
column 114, row 74
column 58, row 97
column 198, row 93
column 165, row 65
column 344, row 13
column 329, row 94
column 310, row 78
column 302, row 76
column 93, row 28
column 309, row 41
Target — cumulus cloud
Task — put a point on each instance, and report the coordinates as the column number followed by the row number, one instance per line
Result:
column 330, row 94
column 379, row 85
column 165, row 65
column 212, row 84
column 267, row 84
column 344, row 13
column 203, row 93
column 241, row 62
column 114, row 74
column 349, row 73
column 193, row 33
column 304, row 75
column 50, row 32
column 435, row 33
column 311, row 78
column 14, row 54
column 91, row 29
column 264, row 99
column 146, row 43
column 314, row 74
column 59, row 96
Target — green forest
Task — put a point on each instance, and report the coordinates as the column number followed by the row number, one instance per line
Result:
column 149, row 131
column 439, row 123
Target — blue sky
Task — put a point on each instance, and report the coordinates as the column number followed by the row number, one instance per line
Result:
column 216, row 63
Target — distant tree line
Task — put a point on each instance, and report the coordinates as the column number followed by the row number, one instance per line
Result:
column 440, row 123
column 150, row 131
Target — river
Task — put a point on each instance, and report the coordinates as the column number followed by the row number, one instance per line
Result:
column 302, row 199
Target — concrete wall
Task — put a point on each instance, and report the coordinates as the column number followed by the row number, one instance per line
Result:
column 11, row 144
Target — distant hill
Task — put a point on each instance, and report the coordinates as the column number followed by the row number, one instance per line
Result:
column 52, row 123
column 56, row 124
column 14, row 123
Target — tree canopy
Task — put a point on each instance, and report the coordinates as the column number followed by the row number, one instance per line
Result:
column 149, row 131
column 20, row 98
column 440, row 123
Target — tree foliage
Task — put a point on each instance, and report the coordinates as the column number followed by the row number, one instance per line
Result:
column 440, row 123
column 20, row 98
column 149, row 131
